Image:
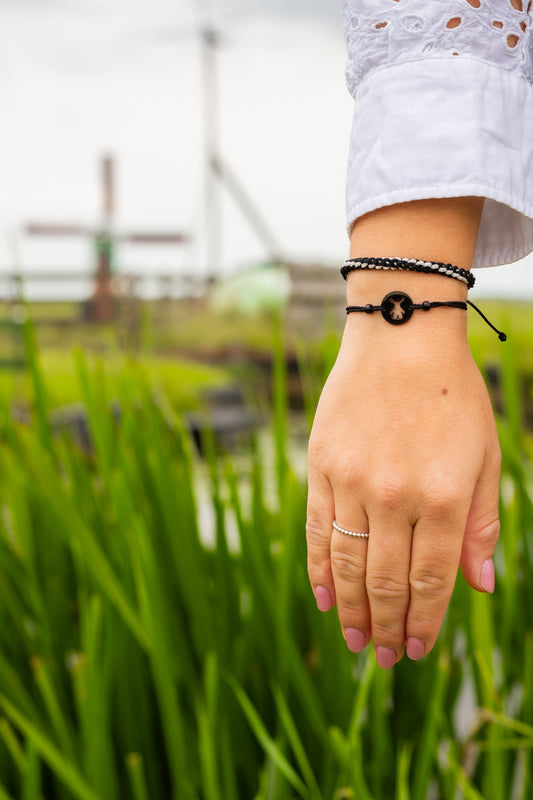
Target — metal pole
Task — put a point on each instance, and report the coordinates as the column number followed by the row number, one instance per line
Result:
column 108, row 190
column 209, row 41
column 102, row 304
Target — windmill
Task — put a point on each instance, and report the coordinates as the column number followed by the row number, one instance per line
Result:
column 101, row 306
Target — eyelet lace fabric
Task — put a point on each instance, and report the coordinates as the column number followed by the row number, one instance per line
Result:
column 386, row 32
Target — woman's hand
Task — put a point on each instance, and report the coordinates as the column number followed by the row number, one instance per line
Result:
column 403, row 446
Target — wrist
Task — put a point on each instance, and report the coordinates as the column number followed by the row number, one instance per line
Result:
column 425, row 332
column 370, row 286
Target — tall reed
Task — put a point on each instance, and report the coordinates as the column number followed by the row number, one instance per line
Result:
column 141, row 658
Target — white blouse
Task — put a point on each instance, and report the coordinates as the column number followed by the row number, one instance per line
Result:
column 444, row 108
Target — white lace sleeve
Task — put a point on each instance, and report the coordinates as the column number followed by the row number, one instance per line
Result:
column 444, row 108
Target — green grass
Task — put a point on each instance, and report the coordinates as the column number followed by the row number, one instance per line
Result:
column 145, row 656
column 178, row 326
column 183, row 382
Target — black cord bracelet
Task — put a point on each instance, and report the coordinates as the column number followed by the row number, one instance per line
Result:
column 411, row 265
column 397, row 308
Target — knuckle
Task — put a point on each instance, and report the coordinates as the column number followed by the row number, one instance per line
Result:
column 347, row 565
column 388, row 631
column 354, row 612
column 317, row 536
column 488, row 533
column 318, row 452
column 426, row 584
column 389, row 494
column 384, row 588
column 441, row 499
column 347, row 475
column 314, row 528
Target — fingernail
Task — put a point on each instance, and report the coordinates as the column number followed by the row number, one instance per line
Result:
column 385, row 657
column 416, row 648
column 355, row 639
column 323, row 598
column 487, row 575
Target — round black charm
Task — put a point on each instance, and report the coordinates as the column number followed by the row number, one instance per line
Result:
column 397, row 308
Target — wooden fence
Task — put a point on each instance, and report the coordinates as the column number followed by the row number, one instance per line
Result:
column 14, row 286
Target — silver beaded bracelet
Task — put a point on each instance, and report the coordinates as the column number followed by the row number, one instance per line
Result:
column 411, row 265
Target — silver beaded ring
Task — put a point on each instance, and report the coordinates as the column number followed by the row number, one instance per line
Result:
column 350, row 533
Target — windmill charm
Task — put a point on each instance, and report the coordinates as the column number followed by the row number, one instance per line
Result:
column 102, row 305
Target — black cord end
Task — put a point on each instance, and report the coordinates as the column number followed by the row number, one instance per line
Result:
column 501, row 335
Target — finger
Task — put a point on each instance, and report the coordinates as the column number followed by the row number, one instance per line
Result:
column 482, row 529
column 387, row 578
column 348, row 564
column 435, row 552
column 320, row 515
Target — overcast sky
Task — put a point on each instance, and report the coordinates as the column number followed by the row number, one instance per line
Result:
column 82, row 77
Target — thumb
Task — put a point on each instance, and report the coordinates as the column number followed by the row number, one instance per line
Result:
column 482, row 529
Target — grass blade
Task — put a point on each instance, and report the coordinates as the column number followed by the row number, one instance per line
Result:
column 66, row 771
column 267, row 743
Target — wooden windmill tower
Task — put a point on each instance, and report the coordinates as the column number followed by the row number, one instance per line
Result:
column 101, row 306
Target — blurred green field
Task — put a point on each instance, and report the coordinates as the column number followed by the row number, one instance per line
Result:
column 178, row 327
column 183, row 382
column 192, row 327
column 183, row 378
column 188, row 348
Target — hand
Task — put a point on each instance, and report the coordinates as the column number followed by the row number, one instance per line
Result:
column 403, row 446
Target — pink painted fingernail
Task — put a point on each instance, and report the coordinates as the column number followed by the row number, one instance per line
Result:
column 355, row 639
column 487, row 575
column 416, row 648
column 385, row 657
column 323, row 598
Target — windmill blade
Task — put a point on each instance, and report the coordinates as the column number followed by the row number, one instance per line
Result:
column 57, row 229
column 153, row 238
column 247, row 206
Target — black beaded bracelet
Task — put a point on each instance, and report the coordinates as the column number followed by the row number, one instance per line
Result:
column 411, row 265
column 397, row 308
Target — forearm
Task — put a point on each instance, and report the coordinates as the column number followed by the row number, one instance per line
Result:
column 434, row 230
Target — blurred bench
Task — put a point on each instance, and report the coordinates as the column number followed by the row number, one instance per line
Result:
column 226, row 418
